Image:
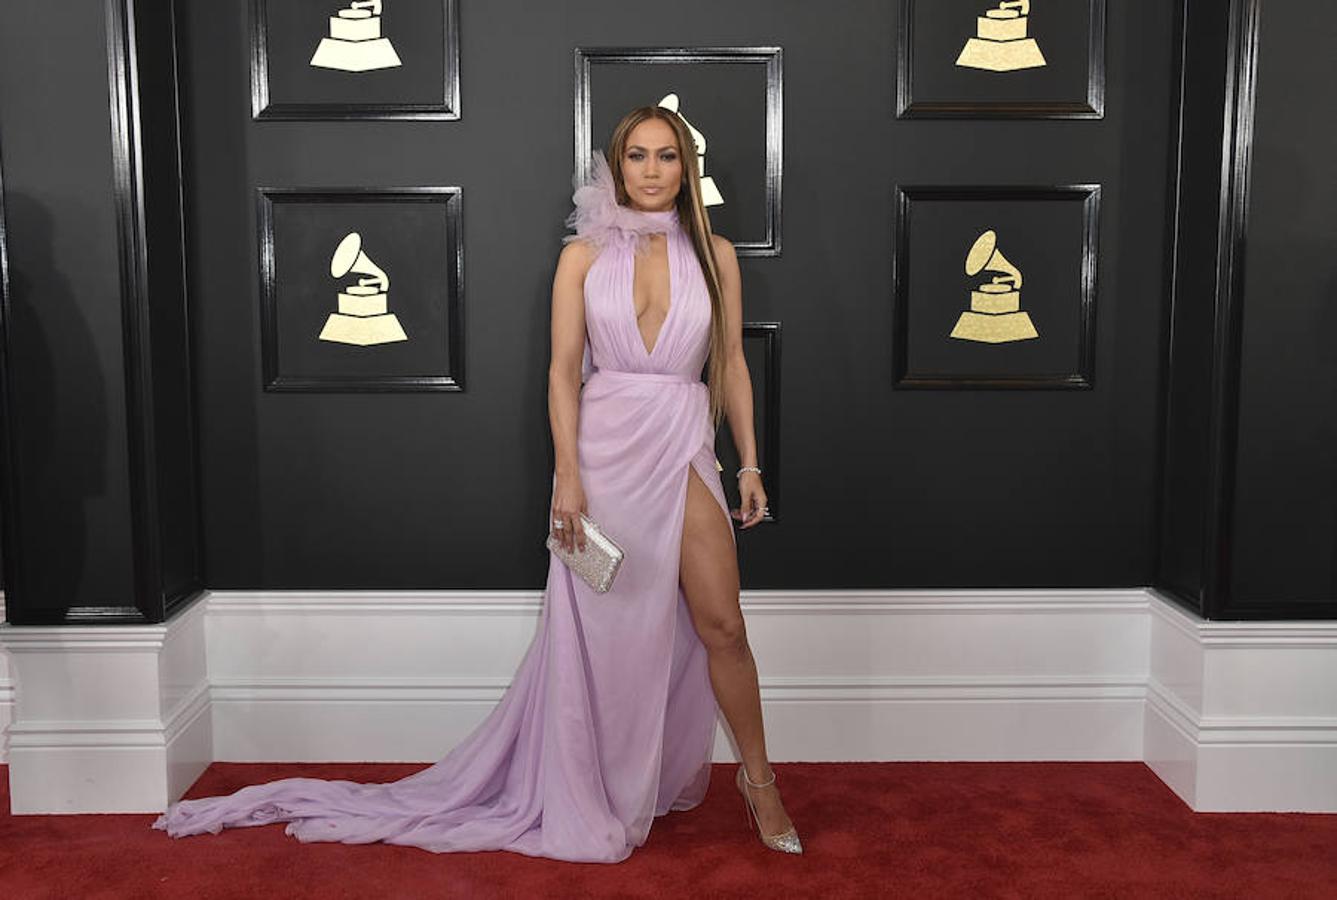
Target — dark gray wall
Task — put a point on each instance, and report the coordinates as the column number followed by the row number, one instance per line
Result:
column 1199, row 462
column 1285, row 510
column 1250, row 492
column 98, row 464
column 71, row 501
column 881, row 487
column 1190, row 485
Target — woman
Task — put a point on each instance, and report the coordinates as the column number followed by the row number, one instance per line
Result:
column 610, row 719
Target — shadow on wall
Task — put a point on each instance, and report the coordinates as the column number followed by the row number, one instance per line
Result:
column 58, row 414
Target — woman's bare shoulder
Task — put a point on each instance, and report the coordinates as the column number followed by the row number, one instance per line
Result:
column 725, row 257
column 577, row 255
column 723, row 245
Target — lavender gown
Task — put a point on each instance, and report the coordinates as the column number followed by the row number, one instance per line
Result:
column 610, row 718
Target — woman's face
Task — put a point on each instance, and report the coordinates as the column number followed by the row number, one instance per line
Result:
column 652, row 167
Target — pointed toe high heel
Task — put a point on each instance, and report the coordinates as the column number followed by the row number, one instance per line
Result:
column 785, row 841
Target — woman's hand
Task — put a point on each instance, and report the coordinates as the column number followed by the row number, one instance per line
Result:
column 753, row 499
column 568, row 501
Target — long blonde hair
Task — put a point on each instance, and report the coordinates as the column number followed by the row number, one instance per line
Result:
column 691, row 212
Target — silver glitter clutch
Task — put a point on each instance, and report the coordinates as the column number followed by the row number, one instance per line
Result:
column 600, row 561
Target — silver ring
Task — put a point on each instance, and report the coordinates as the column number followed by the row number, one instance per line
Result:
column 558, row 523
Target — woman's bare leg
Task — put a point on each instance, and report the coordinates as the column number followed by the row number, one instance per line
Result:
column 709, row 576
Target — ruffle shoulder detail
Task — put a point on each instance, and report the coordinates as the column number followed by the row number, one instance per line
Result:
column 599, row 218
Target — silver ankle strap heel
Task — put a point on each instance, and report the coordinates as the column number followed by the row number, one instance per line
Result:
column 786, row 841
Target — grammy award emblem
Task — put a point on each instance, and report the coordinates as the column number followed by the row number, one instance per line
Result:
column 362, row 318
column 1001, row 43
column 995, row 315
column 710, row 195
column 355, row 43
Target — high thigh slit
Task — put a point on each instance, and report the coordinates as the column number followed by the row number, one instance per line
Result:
column 610, row 719
column 711, row 481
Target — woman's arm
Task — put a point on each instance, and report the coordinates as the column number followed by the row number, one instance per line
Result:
column 738, row 386
column 568, row 351
column 737, row 380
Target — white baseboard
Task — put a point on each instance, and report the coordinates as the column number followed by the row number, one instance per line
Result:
column 6, row 691
column 845, row 675
column 1242, row 716
column 107, row 719
column 816, row 718
column 858, row 674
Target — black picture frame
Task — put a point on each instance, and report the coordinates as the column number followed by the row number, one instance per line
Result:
column 264, row 108
column 1082, row 377
column 275, row 379
column 765, row 338
column 908, row 107
column 769, row 243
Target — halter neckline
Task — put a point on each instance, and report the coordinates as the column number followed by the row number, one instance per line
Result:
column 668, row 216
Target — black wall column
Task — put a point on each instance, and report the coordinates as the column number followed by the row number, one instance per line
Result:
column 1249, row 498
column 99, row 452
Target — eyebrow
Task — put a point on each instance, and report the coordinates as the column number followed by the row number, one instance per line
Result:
column 639, row 147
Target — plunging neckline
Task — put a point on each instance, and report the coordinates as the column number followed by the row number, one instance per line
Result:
column 631, row 299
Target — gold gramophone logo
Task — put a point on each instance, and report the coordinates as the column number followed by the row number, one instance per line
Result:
column 995, row 315
column 710, row 195
column 363, row 317
column 1001, row 43
column 355, row 42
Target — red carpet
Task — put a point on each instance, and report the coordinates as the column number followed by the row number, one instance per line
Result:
column 868, row 829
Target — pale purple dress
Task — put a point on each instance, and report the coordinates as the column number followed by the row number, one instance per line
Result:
column 610, row 718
